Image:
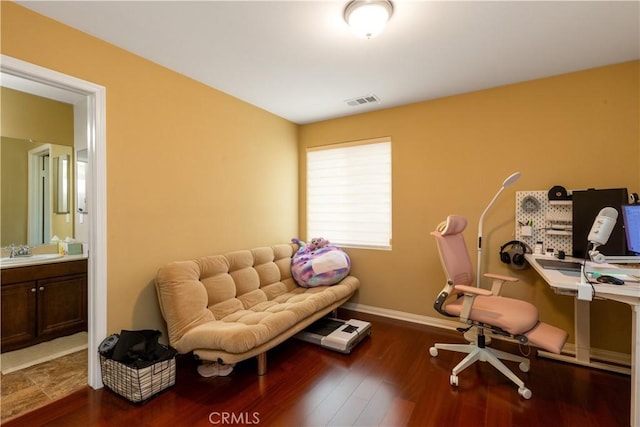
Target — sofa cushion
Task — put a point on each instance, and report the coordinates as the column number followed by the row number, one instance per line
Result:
column 238, row 301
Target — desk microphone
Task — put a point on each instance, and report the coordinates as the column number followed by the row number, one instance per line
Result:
column 599, row 235
column 603, row 226
column 601, row 231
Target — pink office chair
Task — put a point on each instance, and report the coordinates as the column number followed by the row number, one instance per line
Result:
column 485, row 310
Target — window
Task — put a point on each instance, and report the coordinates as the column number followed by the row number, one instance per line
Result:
column 349, row 193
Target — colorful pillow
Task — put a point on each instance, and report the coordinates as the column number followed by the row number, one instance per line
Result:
column 319, row 263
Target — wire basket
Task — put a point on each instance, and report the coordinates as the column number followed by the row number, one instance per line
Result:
column 138, row 385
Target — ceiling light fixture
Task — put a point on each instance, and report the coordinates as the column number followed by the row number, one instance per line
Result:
column 367, row 18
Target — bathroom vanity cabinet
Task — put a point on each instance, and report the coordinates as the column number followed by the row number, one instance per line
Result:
column 42, row 302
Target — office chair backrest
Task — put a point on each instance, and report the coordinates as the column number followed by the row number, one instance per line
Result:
column 453, row 250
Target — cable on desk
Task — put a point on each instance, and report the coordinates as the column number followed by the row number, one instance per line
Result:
column 584, row 273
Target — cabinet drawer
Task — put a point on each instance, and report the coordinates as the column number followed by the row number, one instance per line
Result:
column 42, row 271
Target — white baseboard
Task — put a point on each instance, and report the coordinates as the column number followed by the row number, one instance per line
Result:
column 402, row 315
column 596, row 353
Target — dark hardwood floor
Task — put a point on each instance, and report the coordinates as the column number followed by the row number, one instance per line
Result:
column 389, row 379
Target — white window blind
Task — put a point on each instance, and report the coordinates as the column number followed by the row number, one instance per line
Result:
column 349, row 194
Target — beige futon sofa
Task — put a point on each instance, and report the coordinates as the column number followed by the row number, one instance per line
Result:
column 228, row 308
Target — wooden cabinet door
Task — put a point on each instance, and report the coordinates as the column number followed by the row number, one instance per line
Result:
column 18, row 314
column 62, row 305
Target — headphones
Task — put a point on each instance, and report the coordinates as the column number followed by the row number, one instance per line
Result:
column 515, row 254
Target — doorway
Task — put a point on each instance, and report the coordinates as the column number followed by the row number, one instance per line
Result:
column 90, row 118
column 39, row 195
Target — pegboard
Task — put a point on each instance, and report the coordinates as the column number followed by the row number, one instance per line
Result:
column 551, row 221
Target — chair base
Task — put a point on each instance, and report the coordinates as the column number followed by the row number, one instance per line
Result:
column 484, row 354
column 472, row 337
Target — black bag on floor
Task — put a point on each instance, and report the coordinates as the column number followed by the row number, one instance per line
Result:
column 140, row 348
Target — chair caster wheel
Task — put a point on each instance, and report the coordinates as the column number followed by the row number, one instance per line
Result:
column 524, row 367
column 524, row 392
column 433, row 351
column 453, row 380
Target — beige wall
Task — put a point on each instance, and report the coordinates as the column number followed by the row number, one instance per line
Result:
column 26, row 116
column 191, row 171
column 14, row 184
column 451, row 155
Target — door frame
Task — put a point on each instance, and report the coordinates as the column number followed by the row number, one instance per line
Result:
column 92, row 108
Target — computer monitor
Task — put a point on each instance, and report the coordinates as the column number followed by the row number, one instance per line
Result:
column 631, row 218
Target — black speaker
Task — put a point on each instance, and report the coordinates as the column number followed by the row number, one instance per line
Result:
column 586, row 206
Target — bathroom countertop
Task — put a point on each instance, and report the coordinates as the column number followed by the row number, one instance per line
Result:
column 27, row 261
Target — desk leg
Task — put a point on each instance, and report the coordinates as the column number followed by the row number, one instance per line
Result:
column 635, row 365
column 582, row 328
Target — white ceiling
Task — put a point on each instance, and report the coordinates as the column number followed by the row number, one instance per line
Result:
column 298, row 59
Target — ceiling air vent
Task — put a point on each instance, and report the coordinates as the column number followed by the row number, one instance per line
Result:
column 362, row 100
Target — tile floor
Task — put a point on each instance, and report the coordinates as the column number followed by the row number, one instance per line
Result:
column 32, row 387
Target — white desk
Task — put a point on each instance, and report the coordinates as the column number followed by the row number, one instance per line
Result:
column 629, row 293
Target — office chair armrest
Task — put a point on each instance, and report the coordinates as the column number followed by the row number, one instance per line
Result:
column 473, row 290
column 470, row 293
column 498, row 281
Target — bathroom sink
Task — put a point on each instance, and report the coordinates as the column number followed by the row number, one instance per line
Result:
column 28, row 260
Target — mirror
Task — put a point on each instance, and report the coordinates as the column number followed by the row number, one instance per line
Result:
column 37, row 178
column 36, row 182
